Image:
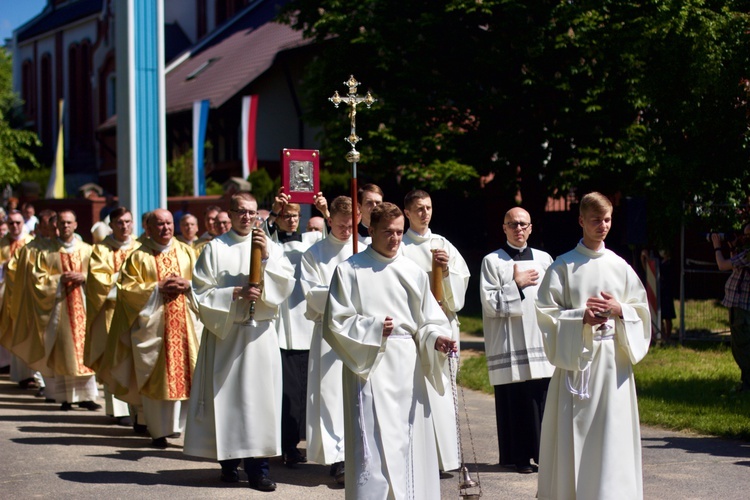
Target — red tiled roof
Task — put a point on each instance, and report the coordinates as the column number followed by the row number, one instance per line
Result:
column 233, row 63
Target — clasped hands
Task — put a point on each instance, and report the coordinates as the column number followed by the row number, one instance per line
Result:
column 173, row 286
column 443, row 344
column 596, row 305
column 72, row 279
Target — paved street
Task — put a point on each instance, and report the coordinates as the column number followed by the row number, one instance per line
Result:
column 47, row 453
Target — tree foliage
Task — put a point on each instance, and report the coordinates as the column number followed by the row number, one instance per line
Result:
column 17, row 146
column 646, row 98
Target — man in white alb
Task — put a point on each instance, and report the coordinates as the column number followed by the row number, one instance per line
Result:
column 393, row 338
column 294, row 329
column 235, row 405
column 593, row 312
column 418, row 245
column 325, row 405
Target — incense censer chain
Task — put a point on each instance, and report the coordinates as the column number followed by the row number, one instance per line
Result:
column 465, row 483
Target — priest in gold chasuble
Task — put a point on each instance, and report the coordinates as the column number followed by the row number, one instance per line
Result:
column 57, row 286
column 101, row 291
column 24, row 321
column 152, row 344
column 10, row 246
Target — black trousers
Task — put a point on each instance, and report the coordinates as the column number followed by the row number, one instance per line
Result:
column 254, row 467
column 519, row 409
column 294, row 397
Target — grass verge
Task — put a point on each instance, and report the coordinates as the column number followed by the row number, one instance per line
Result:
column 679, row 388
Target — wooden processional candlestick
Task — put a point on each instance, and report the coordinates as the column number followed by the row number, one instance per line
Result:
column 436, row 278
column 256, row 263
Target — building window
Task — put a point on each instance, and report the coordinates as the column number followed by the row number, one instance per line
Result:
column 225, row 9
column 201, row 18
column 47, row 111
column 28, row 89
column 106, row 88
column 80, row 97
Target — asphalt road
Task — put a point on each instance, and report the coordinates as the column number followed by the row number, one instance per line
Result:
column 47, row 453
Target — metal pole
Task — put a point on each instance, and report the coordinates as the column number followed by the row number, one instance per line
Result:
column 682, row 276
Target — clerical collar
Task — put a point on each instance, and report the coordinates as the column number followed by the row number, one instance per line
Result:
column 518, row 253
column 518, row 249
column 419, row 237
column 285, row 236
column 363, row 230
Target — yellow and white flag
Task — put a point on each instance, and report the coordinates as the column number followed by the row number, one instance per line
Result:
column 56, row 184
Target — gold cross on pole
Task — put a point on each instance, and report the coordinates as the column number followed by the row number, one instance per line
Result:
column 353, row 100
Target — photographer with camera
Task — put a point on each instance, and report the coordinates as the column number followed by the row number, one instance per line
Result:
column 737, row 297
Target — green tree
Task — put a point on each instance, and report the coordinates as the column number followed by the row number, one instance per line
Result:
column 17, row 146
column 633, row 98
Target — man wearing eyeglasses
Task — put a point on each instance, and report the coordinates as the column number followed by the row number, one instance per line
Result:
column 294, row 329
column 235, row 404
column 517, row 365
column 223, row 223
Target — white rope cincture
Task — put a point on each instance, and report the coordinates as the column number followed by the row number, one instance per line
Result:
column 577, row 382
column 364, row 474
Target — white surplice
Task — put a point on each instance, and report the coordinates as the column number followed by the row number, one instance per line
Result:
column 390, row 441
column 418, row 248
column 294, row 329
column 325, row 403
column 515, row 349
column 591, row 444
column 235, row 404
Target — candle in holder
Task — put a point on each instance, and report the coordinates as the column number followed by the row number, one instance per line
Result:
column 436, row 279
column 256, row 261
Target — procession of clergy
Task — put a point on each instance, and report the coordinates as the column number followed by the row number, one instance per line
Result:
column 351, row 353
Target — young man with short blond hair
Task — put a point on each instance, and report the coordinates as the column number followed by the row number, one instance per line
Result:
column 594, row 316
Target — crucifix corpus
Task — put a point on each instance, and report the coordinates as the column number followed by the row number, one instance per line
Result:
column 352, row 100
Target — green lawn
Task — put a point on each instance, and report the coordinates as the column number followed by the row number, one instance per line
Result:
column 680, row 388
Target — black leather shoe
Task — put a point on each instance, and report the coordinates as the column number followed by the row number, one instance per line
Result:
column 524, row 469
column 338, row 473
column 230, row 476
column 89, row 405
column 66, row 406
column 124, row 421
column 262, row 483
column 294, row 457
column 160, row 443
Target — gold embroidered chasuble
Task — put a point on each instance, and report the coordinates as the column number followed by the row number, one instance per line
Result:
column 107, row 258
column 27, row 319
column 65, row 306
column 152, row 346
column 9, row 251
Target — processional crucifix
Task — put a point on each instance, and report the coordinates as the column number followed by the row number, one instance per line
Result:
column 352, row 100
